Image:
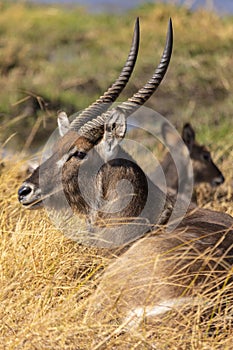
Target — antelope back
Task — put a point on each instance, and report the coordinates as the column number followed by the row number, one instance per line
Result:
column 162, row 271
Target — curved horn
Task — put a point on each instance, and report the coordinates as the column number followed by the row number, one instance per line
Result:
column 94, row 129
column 105, row 101
column 140, row 97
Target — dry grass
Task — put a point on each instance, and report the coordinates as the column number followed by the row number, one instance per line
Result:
column 46, row 279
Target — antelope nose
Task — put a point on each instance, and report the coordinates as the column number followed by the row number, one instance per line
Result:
column 24, row 191
column 218, row 180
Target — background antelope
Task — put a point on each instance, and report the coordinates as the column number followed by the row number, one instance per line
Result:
column 204, row 169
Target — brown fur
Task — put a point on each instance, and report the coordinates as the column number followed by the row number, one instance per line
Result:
column 99, row 198
column 193, row 259
column 204, row 169
column 117, row 189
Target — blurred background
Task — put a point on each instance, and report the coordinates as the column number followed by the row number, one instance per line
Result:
column 62, row 55
column 220, row 6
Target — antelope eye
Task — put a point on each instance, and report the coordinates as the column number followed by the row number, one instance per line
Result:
column 206, row 156
column 80, row 155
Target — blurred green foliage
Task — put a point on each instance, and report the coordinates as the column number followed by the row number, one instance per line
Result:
column 54, row 58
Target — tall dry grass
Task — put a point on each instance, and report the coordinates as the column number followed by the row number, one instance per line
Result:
column 46, row 280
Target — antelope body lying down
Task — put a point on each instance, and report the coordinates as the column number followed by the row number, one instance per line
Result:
column 169, row 264
column 165, row 271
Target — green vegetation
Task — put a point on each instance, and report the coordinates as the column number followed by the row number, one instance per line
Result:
column 54, row 58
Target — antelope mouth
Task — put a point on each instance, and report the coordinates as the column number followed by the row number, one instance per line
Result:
column 33, row 205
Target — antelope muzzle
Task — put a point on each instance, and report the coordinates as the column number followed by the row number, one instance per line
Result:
column 30, row 196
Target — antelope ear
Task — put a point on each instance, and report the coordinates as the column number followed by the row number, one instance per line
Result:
column 173, row 141
column 188, row 135
column 114, row 132
column 63, row 123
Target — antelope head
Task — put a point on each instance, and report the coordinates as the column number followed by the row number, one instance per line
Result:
column 92, row 140
column 72, row 148
column 204, row 169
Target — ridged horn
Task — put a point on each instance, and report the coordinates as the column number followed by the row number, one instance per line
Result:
column 140, row 97
column 94, row 129
column 104, row 102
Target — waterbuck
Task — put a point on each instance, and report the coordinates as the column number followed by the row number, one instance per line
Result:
column 99, row 179
column 103, row 183
column 204, row 169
